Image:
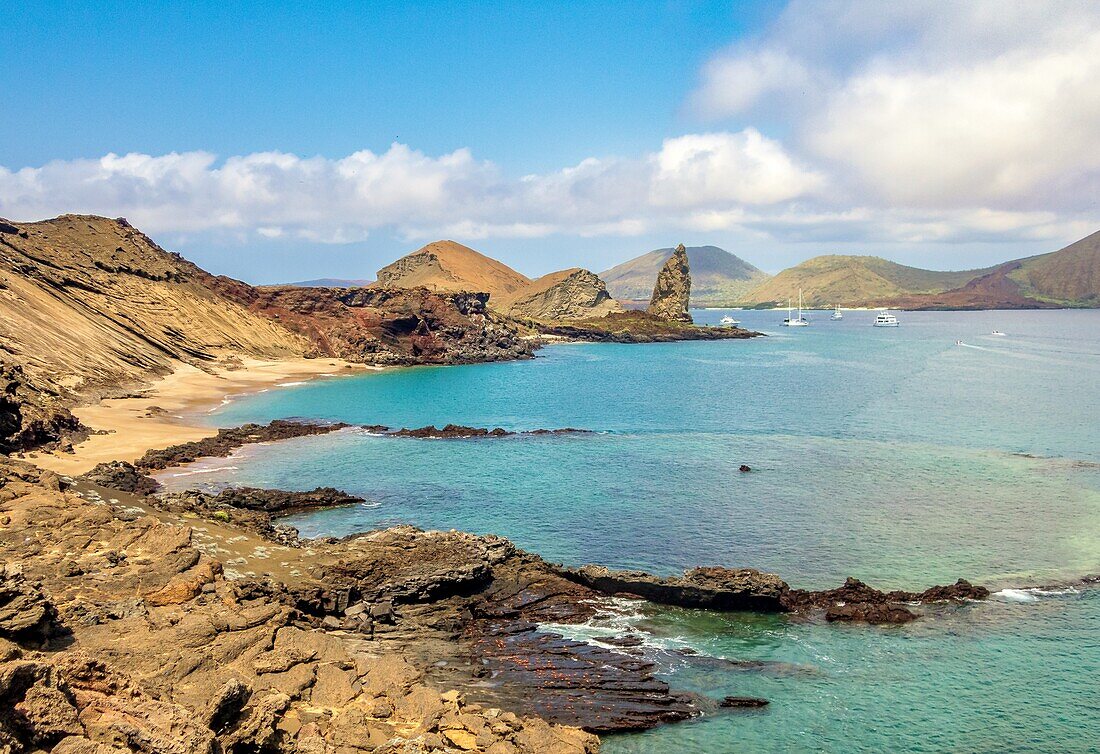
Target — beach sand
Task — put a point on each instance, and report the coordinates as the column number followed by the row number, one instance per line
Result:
column 169, row 410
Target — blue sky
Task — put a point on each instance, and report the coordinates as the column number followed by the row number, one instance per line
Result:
column 260, row 141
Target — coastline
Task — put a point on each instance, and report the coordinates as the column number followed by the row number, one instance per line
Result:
column 164, row 412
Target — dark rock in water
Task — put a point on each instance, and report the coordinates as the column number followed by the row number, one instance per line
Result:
column 634, row 326
column 450, row 431
column 959, row 591
column 121, row 476
column 458, row 431
column 228, row 440
column 575, row 683
column 869, row 612
column 858, row 602
column 704, row 588
column 283, row 501
column 672, row 292
column 746, row 702
column 745, row 469
column 629, row 640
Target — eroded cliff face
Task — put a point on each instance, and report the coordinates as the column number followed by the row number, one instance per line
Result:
column 569, row 294
column 672, row 292
column 392, row 325
column 89, row 303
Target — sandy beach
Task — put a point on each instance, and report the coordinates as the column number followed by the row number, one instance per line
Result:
column 168, row 411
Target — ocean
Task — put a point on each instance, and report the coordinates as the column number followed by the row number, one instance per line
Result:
column 894, row 455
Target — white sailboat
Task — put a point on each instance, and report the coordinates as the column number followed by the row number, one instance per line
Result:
column 837, row 314
column 800, row 321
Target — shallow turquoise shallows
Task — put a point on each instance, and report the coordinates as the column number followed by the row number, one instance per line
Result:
column 894, row 455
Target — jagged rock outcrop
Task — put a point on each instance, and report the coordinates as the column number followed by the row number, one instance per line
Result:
column 568, row 294
column 858, row 602
column 122, row 476
column 229, row 439
column 391, row 326
column 704, row 588
column 32, row 415
column 672, row 292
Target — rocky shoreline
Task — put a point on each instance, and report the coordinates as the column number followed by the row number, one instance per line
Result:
column 439, row 632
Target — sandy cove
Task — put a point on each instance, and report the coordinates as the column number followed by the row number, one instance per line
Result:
column 167, row 412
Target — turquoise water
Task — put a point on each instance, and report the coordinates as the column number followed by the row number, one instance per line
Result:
column 892, row 455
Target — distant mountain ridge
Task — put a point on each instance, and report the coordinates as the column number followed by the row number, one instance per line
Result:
column 1067, row 277
column 331, row 283
column 717, row 276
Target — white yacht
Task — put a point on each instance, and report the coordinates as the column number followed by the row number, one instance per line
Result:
column 886, row 319
column 729, row 321
column 837, row 314
column 800, row 321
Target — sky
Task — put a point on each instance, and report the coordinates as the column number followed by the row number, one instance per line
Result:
column 286, row 141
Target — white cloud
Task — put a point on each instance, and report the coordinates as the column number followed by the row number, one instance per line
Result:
column 720, row 169
column 280, row 195
column 989, row 104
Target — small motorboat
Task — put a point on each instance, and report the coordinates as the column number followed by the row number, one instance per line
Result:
column 729, row 321
column 998, row 333
column 959, row 343
column 886, row 319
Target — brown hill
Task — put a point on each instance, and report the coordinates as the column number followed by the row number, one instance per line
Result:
column 853, row 281
column 567, row 294
column 450, row 266
column 1067, row 277
column 1070, row 275
column 91, row 303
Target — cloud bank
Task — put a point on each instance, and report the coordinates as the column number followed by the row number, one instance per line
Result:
column 276, row 194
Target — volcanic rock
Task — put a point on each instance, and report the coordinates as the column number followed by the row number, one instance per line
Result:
column 743, row 702
column 672, row 292
column 228, row 440
column 122, row 476
column 568, row 294
column 711, row 588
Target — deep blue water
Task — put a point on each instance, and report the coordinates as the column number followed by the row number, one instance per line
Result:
column 893, row 455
